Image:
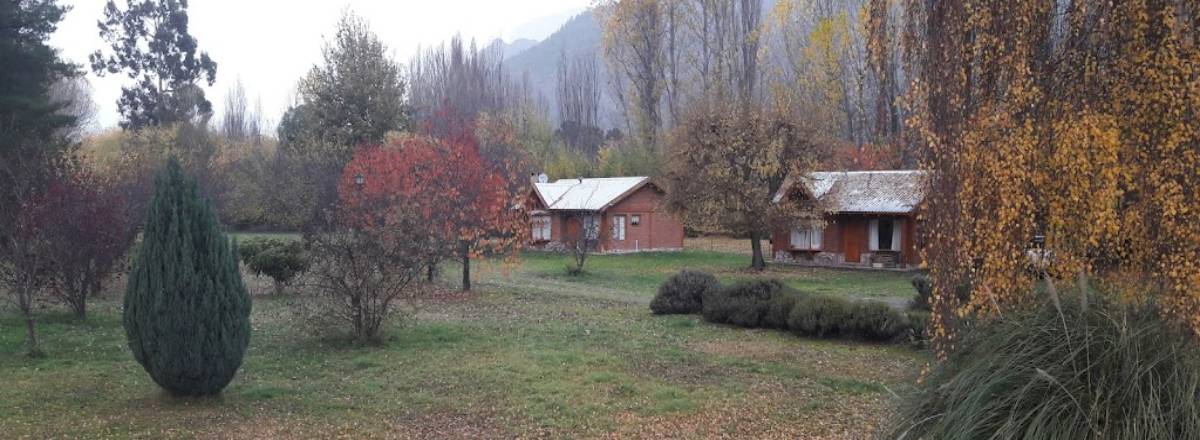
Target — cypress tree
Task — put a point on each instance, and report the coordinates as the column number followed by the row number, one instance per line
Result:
column 187, row 314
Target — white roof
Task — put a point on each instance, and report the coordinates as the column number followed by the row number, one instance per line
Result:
column 889, row 192
column 586, row 194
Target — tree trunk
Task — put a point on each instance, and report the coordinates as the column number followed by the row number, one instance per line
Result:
column 429, row 272
column 757, row 262
column 278, row 288
column 79, row 306
column 35, row 349
column 466, row 274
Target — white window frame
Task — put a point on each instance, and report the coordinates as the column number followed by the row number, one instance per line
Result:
column 635, row 220
column 807, row 238
column 541, row 228
column 873, row 234
column 591, row 226
column 618, row 227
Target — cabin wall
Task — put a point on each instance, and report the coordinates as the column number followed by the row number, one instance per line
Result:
column 657, row 229
column 845, row 242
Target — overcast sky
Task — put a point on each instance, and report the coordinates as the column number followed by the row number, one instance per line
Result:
column 270, row 44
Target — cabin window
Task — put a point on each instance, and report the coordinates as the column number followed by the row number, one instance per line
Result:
column 807, row 238
column 635, row 220
column 618, row 227
column 885, row 234
column 541, row 228
column 591, row 226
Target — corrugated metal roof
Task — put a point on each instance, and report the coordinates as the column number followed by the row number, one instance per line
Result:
column 586, row 194
column 892, row 192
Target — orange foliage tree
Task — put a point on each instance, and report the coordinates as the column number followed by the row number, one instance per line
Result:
column 1073, row 121
column 466, row 204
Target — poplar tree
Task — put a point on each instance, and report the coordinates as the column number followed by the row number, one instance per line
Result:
column 187, row 314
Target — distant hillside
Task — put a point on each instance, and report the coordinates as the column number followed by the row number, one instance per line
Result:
column 579, row 36
column 511, row 49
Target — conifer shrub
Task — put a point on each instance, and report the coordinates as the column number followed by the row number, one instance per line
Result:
column 1105, row 370
column 683, row 292
column 187, row 314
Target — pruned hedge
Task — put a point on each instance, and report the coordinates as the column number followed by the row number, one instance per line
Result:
column 683, row 293
column 770, row 304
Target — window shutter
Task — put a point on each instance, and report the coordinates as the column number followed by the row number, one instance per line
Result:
column 896, row 227
column 873, row 235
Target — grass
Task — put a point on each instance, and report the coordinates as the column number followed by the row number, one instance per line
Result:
column 640, row 274
column 532, row 353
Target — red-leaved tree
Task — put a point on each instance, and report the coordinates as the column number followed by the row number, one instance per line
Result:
column 465, row 201
column 87, row 232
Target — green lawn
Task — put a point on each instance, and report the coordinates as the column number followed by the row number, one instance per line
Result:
column 532, row 352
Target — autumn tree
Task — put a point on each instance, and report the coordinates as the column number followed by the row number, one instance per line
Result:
column 633, row 47
column 725, row 167
column 150, row 41
column 818, row 50
column 578, row 91
column 240, row 123
column 86, row 232
column 1071, row 121
column 466, row 203
column 354, row 97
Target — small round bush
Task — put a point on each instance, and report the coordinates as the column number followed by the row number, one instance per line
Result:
column 280, row 260
column 683, row 293
column 820, row 316
column 876, row 321
column 1108, row 371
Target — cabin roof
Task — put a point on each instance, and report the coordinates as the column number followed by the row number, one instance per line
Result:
column 593, row 194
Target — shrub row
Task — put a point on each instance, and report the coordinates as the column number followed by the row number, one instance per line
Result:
column 770, row 304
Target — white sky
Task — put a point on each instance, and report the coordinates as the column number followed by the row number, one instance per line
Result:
column 270, row 44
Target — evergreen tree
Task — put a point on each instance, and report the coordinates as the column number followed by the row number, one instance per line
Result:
column 187, row 314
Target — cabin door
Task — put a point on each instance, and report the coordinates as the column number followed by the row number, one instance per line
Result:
column 854, row 234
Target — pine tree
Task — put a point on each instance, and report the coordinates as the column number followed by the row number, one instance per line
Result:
column 187, row 314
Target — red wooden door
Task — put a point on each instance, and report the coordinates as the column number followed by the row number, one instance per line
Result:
column 854, row 238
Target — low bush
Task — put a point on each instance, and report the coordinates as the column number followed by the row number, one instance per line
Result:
column 280, row 260
column 924, row 288
column 918, row 327
column 1107, row 370
column 778, row 310
column 820, row 316
column 744, row 303
column 683, row 293
column 875, row 321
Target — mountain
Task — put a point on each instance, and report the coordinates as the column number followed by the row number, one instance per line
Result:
column 579, row 36
column 512, row 49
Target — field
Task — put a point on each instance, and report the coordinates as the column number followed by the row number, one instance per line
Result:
column 531, row 353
